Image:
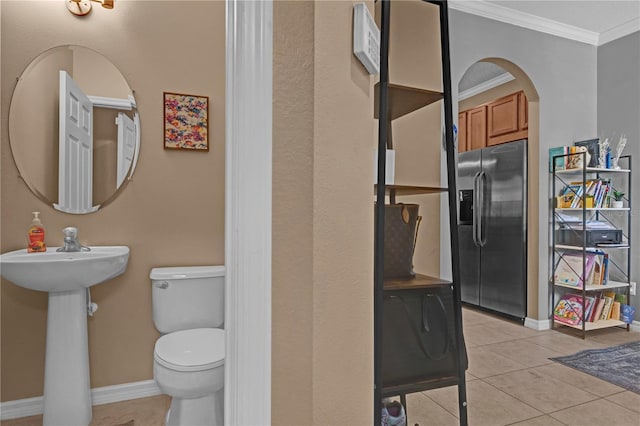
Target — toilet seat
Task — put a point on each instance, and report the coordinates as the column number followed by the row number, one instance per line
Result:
column 191, row 350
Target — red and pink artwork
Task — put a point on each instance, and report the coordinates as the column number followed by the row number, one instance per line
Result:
column 186, row 122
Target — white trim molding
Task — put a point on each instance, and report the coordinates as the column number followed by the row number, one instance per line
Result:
column 248, row 154
column 537, row 324
column 113, row 103
column 619, row 31
column 484, row 86
column 104, row 395
column 526, row 20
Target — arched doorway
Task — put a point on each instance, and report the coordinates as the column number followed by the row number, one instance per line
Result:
column 484, row 82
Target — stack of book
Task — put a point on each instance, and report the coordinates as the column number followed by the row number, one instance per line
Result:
column 570, row 269
column 596, row 192
column 603, row 306
column 561, row 157
column 571, row 307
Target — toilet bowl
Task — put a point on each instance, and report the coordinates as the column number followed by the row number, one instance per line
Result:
column 189, row 357
column 189, row 366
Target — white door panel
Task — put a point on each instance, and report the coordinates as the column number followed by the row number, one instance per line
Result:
column 126, row 145
column 75, row 169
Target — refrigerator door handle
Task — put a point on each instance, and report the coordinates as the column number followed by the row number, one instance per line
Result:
column 476, row 209
column 482, row 184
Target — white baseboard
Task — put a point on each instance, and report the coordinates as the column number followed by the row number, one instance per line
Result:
column 537, row 324
column 104, row 395
column 635, row 326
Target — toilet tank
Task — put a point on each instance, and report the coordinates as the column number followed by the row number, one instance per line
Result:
column 187, row 297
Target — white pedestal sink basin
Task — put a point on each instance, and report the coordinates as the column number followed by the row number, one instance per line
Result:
column 66, row 277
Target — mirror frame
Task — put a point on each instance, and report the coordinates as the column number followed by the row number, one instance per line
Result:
column 17, row 116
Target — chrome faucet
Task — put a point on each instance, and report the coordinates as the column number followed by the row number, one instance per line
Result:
column 71, row 242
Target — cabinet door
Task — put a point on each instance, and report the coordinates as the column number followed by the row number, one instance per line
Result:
column 503, row 116
column 462, row 132
column 523, row 111
column 477, row 128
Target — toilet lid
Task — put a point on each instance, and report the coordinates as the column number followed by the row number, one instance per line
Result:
column 191, row 350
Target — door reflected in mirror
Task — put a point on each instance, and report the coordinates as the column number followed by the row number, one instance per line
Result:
column 74, row 129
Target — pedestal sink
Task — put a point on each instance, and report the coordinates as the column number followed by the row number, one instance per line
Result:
column 66, row 277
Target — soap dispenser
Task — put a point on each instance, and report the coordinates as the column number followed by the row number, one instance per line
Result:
column 36, row 235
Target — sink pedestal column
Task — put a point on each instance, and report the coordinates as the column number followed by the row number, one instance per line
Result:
column 67, row 392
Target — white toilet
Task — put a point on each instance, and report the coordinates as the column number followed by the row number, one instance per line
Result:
column 188, row 309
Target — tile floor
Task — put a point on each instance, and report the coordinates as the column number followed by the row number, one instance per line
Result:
column 510, row 381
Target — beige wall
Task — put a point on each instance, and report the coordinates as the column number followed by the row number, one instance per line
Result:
column 324, row 139
column 322, row 219
column 34, row 114
column 293, row 162
column 97, row 76
column 105, row 154
column 322, row 199
column 171, row 213
column 414, row 61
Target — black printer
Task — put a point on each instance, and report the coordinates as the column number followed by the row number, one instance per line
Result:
column 593, row 237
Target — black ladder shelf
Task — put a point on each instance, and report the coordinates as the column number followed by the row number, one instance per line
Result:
column 393, row 101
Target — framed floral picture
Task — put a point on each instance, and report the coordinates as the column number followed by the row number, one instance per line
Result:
column 186, row 122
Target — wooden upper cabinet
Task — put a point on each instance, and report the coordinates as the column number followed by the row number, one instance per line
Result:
column 477, row 128
column 503, row 120
column 503, row 116
column 523, row 111
column 462, row 132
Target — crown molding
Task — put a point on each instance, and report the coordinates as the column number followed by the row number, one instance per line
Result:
column 525, row 20
column 484, row 86
column 619, row 31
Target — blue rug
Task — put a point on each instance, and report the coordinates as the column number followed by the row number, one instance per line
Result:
column 619, row 365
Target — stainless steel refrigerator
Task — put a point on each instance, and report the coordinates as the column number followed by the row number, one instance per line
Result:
column 492, row 197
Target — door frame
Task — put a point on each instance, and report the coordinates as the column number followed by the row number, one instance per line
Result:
column 248, row 165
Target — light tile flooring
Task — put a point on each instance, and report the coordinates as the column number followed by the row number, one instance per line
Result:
column 510, row 381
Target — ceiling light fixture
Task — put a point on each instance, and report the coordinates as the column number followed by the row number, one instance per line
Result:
column 83, row 7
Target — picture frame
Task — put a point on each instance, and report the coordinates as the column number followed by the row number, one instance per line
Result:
column 186, row 121
column 593, row 148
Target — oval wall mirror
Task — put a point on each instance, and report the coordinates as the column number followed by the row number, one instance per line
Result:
column 74, row 129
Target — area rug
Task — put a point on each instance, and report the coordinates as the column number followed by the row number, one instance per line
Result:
column 619, row 365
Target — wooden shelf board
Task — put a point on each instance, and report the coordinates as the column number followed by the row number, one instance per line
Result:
column 608, row 286
column 592, row 170
column 401, row 100
column 594, row 325
column 410, row 189
column 419, row 386
column 418, row 282
column 590, row 249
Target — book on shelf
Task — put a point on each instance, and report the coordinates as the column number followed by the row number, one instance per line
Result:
column 599, row 273
column 606, row 310
column 596, row 192
column 597, row 311
column 560, row 160
column 570, row 268
column 615, row 311
column 627, row 313
column 572, row 308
